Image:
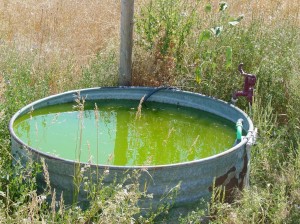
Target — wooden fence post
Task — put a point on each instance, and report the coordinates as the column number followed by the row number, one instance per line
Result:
column 127, row 11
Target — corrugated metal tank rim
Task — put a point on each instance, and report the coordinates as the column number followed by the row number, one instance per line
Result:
column 136, row 93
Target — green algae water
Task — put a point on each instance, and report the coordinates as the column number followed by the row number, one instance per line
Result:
column 113, row 133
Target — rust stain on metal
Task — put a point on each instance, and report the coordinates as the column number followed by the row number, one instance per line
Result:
column 243, row 173
column 221, row 180
column 231, row 182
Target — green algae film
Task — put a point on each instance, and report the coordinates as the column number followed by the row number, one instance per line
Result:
column 114, row 135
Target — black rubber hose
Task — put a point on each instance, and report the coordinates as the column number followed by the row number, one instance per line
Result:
column 156, row 90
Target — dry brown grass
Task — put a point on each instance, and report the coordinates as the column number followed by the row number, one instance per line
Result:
column 82, row 28
column 60, row 37
column 269, row 11
column 55, row 27
column 70, row 32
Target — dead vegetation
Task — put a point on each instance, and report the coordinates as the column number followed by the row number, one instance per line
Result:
column 69, row 27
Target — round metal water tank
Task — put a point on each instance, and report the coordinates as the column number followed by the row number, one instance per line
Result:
column 197, row 178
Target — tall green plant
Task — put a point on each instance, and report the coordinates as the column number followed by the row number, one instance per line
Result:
column 176, row 32
column 213, row 52
column 165, row 25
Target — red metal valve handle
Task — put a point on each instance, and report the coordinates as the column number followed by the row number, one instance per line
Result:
column 249, row 84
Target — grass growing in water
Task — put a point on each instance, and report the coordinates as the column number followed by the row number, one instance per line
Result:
column 78, row 174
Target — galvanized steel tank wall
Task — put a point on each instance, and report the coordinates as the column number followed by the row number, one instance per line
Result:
column 196, row 178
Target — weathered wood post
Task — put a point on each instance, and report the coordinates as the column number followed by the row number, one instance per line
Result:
column 127, row 10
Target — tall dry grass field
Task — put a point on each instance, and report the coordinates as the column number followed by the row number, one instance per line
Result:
column 79, row 28
column 61, row 37
column 269, row 11
column 85, row 27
